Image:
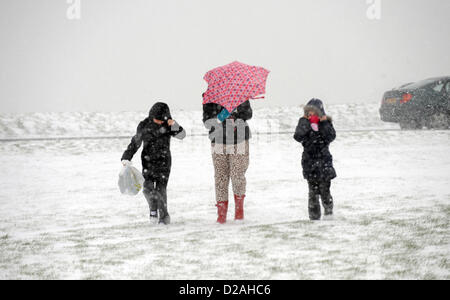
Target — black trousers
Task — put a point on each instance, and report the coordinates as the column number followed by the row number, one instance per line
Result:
column 319, row 189
column 155, row 191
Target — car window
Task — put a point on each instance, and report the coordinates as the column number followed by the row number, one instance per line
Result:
column 438, row 87
column 447, row 88
column 422, row 84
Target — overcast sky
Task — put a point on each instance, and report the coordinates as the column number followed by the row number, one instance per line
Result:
column 125, row 55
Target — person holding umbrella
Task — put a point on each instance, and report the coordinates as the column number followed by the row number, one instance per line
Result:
column 226, row 110
column 155, row 132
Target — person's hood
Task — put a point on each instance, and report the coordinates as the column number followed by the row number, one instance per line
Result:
column 316, row 106
column 160, row 111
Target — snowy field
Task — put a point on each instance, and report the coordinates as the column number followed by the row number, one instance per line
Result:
column 62, row 216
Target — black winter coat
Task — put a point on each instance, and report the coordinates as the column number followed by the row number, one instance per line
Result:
column 235, row 127
column 156, row 156
column 317, row 161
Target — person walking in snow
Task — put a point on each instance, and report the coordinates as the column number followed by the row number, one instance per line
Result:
column 155, row 132
column 315, row 132
column 230, row 155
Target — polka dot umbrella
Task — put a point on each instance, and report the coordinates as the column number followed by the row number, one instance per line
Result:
column 233, row 84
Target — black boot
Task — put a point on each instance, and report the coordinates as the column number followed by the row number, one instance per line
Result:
column 164, row 217
column 327, row 200
column 164, row 220
column 153, row 216
column 328, row 206
column 313, row 201
column 314, row 208
column 152, row 199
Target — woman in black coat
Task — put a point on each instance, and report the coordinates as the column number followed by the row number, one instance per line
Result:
column 315, row 132
column 155, row 132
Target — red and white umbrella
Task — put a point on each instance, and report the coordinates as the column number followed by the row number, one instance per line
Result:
column 233, row 84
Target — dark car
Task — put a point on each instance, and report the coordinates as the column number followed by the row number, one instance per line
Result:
column 422, row 104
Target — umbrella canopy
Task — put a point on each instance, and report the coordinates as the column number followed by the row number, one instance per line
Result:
column 233, row 84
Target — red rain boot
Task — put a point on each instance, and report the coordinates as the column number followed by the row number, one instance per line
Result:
column 222, row 209
column 239, row 207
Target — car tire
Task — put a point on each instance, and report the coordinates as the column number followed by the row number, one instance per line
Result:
column 410, row 125
column 438, row 121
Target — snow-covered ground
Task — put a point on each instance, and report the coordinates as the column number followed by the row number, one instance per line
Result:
column 62, row 215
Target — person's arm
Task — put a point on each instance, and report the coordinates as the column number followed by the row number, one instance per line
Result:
column 327, row 130
column 176, row 130
column 305, row 135
column 243, row 111
column 210, row 111
column 303, row 130
column 135, row 143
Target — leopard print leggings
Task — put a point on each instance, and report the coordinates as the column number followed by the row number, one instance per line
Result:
column 230, row 161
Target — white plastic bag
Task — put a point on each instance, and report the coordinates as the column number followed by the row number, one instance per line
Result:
column 130, row 180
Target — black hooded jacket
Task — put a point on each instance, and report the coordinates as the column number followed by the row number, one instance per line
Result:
column 156, row 156
column 235, row 127
column 317, row 161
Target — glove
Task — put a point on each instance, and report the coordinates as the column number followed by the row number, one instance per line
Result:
column 126, row 163
column 223, row 115
column 314, row 120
